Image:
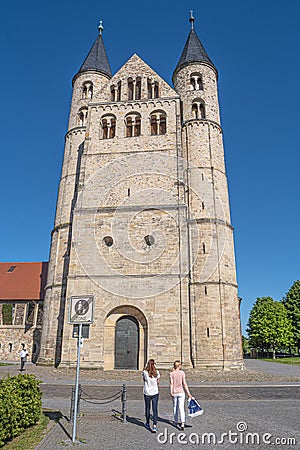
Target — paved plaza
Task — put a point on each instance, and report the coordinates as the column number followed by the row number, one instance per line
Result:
column 239, row 412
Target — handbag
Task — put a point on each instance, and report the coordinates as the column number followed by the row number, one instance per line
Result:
column 194, row 408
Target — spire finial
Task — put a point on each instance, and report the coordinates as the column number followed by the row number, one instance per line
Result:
column 100, row 28
column 192, row 19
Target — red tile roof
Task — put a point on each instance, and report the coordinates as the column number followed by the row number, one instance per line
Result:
column 22, row 280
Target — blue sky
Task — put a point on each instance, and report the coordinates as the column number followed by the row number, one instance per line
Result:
column 254, row 45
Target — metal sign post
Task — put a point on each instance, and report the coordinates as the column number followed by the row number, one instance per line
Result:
column 81, row 311
column 77, row 382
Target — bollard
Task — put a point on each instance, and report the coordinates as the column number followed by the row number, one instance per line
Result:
column 124, row 406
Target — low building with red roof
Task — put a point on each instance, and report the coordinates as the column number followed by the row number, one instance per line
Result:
column 22, row 287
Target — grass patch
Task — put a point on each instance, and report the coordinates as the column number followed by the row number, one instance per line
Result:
column 6, row 364
column 293, row 361
column 30, row 438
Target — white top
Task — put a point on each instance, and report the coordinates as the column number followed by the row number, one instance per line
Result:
column 23, row 353
column 150, row 383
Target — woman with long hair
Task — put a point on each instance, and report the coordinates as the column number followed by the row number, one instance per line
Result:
column 151, row 394
column 177, row 387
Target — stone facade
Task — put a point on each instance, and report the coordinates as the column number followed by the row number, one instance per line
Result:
column 143, row 224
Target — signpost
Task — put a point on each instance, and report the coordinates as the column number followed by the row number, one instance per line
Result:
column 81, row 312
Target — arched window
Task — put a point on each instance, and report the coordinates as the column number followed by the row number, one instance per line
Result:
column 198, row 109
column 108, row 124
column 138, row 88
column 119, row 86
column 130, row 88
column 152, row 88
column 133, row 125
column 196, row 82
column 87, row 90
column 113, row 93
column 158, row 123
column 82, row 117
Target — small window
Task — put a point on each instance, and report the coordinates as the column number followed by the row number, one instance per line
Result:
column 119, row 87
column 87, row 90
column 82, row 117
column 130, row 89
column 207, row 332
column 11, row 269
column 149, row 240
column 205, row 290
column 196, row 82
column 138, row 88
column 152, row 88
column 203, row 248
column 108, row 240
column 198, row 109
column 158, row 123
column 108, row 124
column 10, row 347
column 133, row 125
column 113, row 93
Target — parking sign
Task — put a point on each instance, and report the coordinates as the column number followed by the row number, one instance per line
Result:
column 81, row 309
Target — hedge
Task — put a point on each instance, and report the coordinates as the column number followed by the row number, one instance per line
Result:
column 20, row 405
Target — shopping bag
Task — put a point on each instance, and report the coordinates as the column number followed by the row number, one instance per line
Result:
column 194, row 408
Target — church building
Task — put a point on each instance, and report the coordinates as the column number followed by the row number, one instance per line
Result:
column 142, row 222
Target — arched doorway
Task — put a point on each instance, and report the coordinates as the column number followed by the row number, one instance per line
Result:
column 121, row 335
column 127, row 343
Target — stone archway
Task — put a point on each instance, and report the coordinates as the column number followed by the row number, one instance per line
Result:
column 125, row 318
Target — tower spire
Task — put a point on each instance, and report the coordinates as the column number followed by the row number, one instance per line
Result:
column 97, row 57
column 193, row 50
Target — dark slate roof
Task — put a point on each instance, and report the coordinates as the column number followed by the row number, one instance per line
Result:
column 97, row 58
column 193, row 51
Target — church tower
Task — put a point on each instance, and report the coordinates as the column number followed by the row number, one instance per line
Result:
column 213, row 286
column 142, row 220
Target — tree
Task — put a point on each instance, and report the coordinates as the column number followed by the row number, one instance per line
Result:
column 245, row 345
column 292, row 304
column 269, row 325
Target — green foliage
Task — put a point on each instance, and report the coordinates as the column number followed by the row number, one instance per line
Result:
column 269, row 325
column 20, row 405
column 245, row 344
column 292, row 304
column 7, row 313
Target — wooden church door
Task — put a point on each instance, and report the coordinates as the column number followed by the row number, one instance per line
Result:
column 127, row 343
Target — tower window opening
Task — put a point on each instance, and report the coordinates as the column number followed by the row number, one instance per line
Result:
column 198, row 109
column 82, row 117
column 87, row 90
column 133, row 125
column 158, row 123
column 108, row 124
column 119, row 88
column 203, row 206
column 128, row 192
column 10, row 346
column 152, row 88
column 130, row 89
column 205, row 290
column 196, row 82
column 207, row 332
column 203, row 248
column 113, row 93
column 138, row 88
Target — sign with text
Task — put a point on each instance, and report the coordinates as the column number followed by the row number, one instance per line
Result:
column 81, row 309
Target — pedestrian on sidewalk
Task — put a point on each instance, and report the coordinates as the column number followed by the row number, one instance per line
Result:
column 23, row 356
column 151, row 380
column 177, row 387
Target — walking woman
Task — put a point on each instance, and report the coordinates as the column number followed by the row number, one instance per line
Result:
column 177, row 387
column 151, row 394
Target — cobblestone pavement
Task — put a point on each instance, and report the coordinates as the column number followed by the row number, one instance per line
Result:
column 255, row 371
column 256, row 399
